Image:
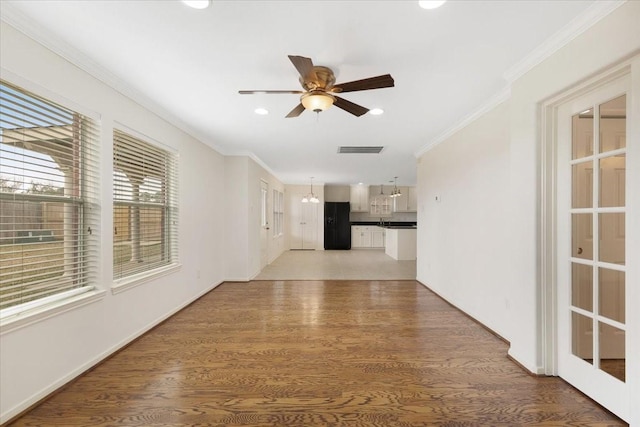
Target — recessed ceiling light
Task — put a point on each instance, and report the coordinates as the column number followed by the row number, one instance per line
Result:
column 261, row 111
column 376, row 111
column 197, row 4
column 431, row 4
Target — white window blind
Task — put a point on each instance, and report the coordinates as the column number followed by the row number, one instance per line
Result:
column 48, row 201
column 145, row 213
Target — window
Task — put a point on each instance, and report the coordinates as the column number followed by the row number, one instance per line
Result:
column 48, row 201
column 278, row 213
column 145, row 211
column 263, row 204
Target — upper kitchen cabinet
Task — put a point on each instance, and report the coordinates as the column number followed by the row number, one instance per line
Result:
column 359, row 198
column 407, row 201
column 381, row 201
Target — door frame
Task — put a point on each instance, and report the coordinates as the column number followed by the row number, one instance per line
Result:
column 264, row 224
column 547, row 295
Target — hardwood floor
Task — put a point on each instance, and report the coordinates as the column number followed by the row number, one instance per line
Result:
column 316, row 353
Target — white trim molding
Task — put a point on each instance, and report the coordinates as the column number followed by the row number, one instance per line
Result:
column 16, row 19
column 493, row 102
column 577, row 26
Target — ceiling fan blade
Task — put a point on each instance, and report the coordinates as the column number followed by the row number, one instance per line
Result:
column 296, row 111
column 377, row 82
column 350, row 107
column 302, row 64
column 252, row 92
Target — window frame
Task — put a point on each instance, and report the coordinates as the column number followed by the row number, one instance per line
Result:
column 168, row 206
column 78, row 283
column 278, row 213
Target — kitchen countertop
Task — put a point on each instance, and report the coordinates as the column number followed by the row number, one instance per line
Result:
column 393, row 224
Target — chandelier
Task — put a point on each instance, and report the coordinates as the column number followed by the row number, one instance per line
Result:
column 395, row 192
column 310, row 197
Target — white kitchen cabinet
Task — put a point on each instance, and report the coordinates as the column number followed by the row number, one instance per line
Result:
column 360, row 236
column 359, row 198
column 401, row 243
column 381, row 203
column 377, row 237
column 367, row 236
column 407, row 201
column 400, row 202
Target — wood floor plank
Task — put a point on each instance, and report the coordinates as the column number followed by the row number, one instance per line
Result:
column 316, row 353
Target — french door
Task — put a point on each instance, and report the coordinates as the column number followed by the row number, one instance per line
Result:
column 591, row 240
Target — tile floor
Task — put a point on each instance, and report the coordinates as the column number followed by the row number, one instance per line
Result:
column 356, row 264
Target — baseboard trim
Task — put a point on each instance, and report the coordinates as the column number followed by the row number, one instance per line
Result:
column 497, row 335
column 28, row 404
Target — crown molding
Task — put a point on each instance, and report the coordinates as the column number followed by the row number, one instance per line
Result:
column 13, row 17
column 494, row 101
column 258, row 160
column 597, row 11
column 594, row 13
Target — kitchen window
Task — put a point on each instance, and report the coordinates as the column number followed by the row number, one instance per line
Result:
column 145, row 213
column 49, row 206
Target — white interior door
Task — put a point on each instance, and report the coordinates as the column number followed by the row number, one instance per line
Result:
column 304, row 224
column 310, row 227
column 591, row 264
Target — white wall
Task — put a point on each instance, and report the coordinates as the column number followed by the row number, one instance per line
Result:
column 39, row 357
column 275, row 246
column 463, row 241
column 242, row 207
column 503, row 253
column 337, row 193
column 235, row 205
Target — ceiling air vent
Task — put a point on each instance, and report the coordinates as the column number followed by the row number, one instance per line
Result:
column 360, row 150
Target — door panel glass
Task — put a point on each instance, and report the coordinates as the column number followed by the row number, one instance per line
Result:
column 612, row 230
column 582, row 286
column 582, row 185
column 611, row 293
column 613, row 124
column 582, row 139
column 582, row 236
column 612, row 350
column 612, row 181
column 582, row 336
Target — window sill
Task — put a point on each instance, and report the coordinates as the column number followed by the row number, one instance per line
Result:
column 130, row 282
column 38, row 314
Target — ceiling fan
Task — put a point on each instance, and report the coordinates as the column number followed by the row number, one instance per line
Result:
column 319, row 87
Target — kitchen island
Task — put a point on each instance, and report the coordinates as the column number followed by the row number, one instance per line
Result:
column 401, row 242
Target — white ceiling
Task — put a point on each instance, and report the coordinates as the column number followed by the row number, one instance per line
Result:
column 188, row 66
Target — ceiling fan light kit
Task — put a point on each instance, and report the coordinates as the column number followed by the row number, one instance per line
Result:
column 431, row 4
column 319, row 87
column 197, row 4
column 317, row 100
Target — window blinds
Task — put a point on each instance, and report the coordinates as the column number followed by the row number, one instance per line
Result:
column 144, row 206
column 48, row 199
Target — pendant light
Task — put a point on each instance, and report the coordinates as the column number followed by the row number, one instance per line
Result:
column 395, row 192
column 310, row 197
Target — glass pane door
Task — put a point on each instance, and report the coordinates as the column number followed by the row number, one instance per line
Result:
column 591, row 263
column 598, row 236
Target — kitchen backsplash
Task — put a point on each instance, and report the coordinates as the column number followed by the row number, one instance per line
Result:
column 396, row 216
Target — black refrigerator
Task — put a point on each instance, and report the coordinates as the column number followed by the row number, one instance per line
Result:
column 337, row 228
